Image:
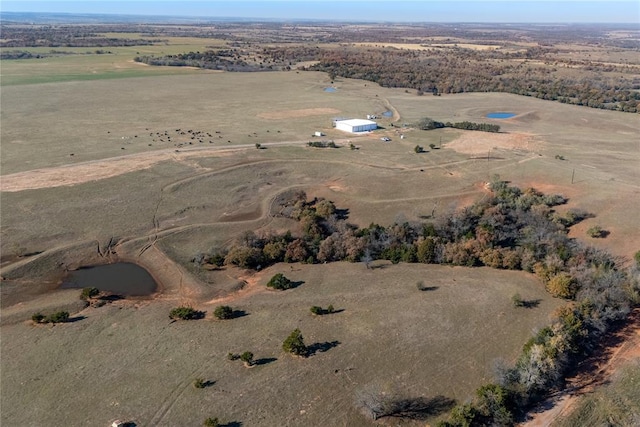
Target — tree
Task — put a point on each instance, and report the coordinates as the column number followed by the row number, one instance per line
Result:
column 562, row 285
column 317, row 310
column 517, row 301
column 596, row 232
column 294, row 344
column 211, row 422
column 38, row 317
column 58, row 317
column 247, row 358
column 185, row 313
column 432, row 146
column 427, row 124
column 223, row 312
column 418, row 149
column 88, row 293
column 280, row 282
column 199, row 383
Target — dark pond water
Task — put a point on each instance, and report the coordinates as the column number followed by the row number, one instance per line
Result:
column 122, row 278
column 388, row 114
column 330, row 89
column 500, row 115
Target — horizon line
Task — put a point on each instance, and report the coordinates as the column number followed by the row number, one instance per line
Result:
column 212, row 18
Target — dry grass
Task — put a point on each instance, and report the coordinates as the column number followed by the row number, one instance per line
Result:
column 390, row 335
column 200, row 199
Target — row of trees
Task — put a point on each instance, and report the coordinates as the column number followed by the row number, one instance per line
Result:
column 427, row 123
column 64, row 36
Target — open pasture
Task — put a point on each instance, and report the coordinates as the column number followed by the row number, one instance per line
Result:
column 131, row 362
column 80, row 168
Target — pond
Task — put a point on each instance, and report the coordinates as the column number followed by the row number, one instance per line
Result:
column 330, row 89
column 121, row 278
column 500, row 115
column 388, row 114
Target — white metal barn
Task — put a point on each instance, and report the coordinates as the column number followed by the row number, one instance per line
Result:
column 356, row 125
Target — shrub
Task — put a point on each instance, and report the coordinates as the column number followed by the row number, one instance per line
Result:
column 58, row 317
column 317, row 310
column 247, row 358
column 233, row 356
column 432, row 146
column 517, row 301
column 258, row 145
column 199, row 383
column 636, row 257
column 223, row 312
column 330, row 309
column 185, row 313
column 38, row 317
column 211, row 422
column 280, row 282
column 294, row 344
column 596, row 232
column 88, row 293
column 418, row 149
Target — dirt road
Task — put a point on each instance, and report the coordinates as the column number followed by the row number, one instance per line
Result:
column 618, row 349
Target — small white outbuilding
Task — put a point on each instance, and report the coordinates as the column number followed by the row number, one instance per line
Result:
column 356, row 125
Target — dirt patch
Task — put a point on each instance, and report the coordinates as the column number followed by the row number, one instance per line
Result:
column 337, row 186
column 95, row 170
column 250, row 287
column 80, row 173
column 481, row 142
column 617, row 350
column 292, row 114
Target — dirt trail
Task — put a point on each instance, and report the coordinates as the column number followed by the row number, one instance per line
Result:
column 618, row 349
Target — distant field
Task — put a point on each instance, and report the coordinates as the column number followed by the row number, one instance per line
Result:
column 387, row 336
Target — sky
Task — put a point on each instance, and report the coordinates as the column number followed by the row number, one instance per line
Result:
column 495, row 11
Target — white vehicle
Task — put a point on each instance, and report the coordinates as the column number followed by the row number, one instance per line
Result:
column 385, row 139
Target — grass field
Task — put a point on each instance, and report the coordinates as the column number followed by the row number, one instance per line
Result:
column 129, row 361
column 85, row 162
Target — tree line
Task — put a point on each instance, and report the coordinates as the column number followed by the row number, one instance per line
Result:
column 466, row 70
column 427, row 123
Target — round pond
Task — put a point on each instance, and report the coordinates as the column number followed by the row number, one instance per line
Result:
column 121, row 278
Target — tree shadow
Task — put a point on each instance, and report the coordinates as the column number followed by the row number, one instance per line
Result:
column 207, row 383
column 232, row 424
column 75, row 319
column 327, row 312
column 264, row 361
column 428, row 288
column 421, row 408
column 295, row 284
column 342, row 213
column 321, row 347
column 111, row 297
column 236, row 314
column 532, row 303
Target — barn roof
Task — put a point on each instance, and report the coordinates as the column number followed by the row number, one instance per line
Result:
column 357, row 122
